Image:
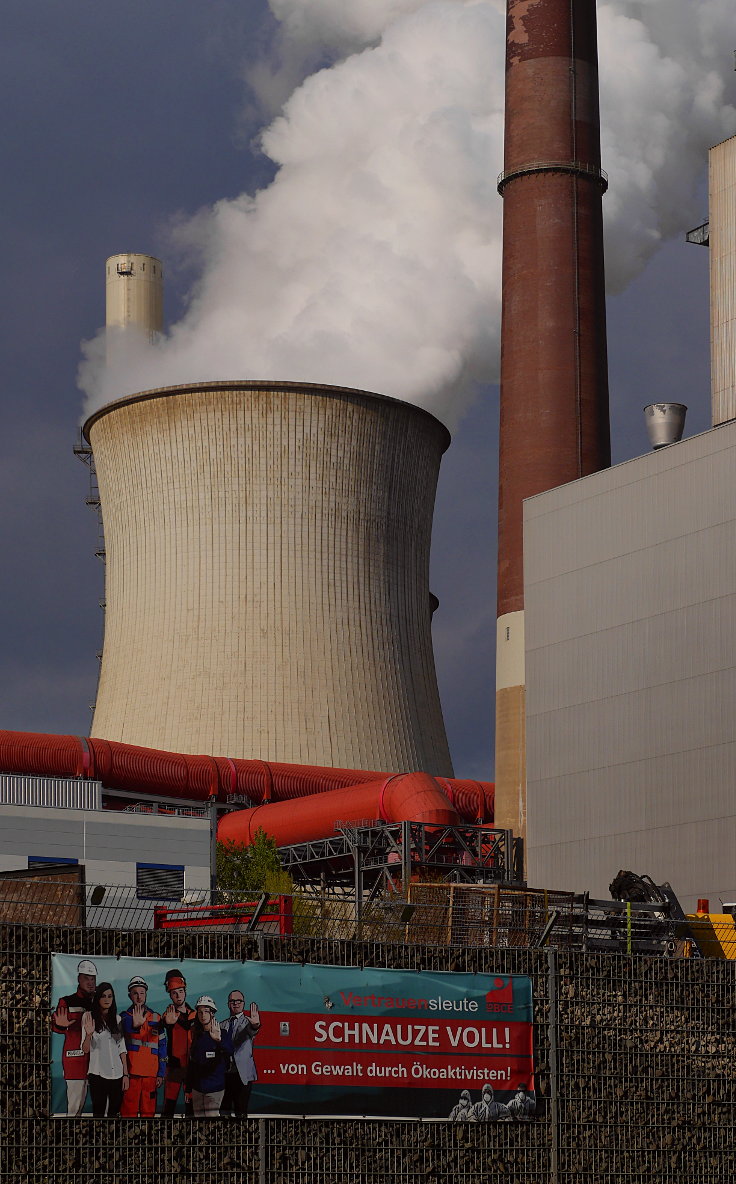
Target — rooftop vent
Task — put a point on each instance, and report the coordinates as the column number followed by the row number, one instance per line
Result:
column 665, row 423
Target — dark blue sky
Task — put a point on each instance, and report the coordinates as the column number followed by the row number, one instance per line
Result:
column 117, row 118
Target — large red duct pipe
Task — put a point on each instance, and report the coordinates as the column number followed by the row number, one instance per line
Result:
column 197, row 778
column 414, row 797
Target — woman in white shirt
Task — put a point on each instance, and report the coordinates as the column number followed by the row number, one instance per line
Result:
column 108, row 1058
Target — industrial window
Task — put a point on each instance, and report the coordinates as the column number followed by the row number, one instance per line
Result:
column 159, row 881
column 45, row 860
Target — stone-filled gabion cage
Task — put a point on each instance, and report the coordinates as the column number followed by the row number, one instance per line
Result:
column 635, row 1073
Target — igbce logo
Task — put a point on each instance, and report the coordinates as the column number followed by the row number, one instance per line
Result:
column 500, row 996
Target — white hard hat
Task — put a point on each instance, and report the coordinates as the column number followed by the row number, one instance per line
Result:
column 87, row 967
column 137, row 981
column 207, row 1001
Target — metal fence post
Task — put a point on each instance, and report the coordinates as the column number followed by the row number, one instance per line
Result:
column 406, row 855
column 508, row 856
column 262, row 1151
column 213, row 847
column 358, row 885
column 552, row 1021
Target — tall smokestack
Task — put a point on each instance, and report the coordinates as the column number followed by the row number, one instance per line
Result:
column 134, row 297
column 722, row 237
column 554, row 385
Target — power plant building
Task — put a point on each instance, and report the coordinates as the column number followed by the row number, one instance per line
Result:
column 630, row 593
column 267, row 574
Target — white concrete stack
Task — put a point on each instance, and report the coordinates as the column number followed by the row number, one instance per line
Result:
column 722, row 232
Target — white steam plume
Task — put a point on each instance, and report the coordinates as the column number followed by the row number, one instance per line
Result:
column 374, row 257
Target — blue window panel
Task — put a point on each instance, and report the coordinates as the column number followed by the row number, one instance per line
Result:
column 43, row 860
column 159, row 881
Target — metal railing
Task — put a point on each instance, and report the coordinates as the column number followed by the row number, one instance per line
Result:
column 268, row 914
column 72, row 902
column 434, row 913
column 574, row 167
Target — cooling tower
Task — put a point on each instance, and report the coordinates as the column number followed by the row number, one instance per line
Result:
column 267, row 574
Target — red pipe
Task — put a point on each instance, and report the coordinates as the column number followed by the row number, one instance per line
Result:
column 43, row 755
column 415, row 797
column 197, row 778
column 473, row 800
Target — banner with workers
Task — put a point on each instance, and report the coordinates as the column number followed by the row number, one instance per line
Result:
column 144, row 1037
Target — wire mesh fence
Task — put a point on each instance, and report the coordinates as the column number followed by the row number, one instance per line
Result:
column 42, row 900
column 471, row 915
column 59, row 1150
column 646, row 1058
column 635, row 1060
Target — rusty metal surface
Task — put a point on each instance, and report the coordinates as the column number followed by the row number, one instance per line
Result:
column 554, row 396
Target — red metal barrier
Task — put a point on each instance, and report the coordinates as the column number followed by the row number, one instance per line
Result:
column 278, row 910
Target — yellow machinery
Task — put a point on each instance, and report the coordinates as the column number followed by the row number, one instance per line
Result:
column 714, row 933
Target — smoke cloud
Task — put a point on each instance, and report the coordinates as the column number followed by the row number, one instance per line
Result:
column 373, row 259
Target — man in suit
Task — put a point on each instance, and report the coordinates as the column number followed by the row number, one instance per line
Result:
column 243, row 1027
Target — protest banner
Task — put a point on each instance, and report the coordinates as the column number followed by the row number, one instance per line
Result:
column 307, row 1040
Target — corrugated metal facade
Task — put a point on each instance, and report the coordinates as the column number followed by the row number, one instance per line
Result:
column 722, row 218
column 68, row 793
column 631, row 673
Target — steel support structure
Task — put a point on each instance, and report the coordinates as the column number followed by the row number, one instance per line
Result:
column 386, row 856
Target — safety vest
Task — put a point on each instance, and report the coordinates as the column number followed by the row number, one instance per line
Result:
column 146, row 1045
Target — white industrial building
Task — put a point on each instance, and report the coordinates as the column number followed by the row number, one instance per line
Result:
column 630, row 586
column 631, row 657
column 143, row 857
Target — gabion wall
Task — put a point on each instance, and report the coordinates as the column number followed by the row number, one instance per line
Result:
column 636, row 1079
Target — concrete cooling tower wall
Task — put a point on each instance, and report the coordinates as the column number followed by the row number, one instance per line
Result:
column 267, row 574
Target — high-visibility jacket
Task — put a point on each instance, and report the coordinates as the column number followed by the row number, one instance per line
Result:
column 74, row 1062
column 146, row 1045
column 178, row 1040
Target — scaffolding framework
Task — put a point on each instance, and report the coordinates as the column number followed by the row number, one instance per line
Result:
column 368, row 859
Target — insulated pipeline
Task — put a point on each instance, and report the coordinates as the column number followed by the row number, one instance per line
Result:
column 414, row 797
column 134, row 769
